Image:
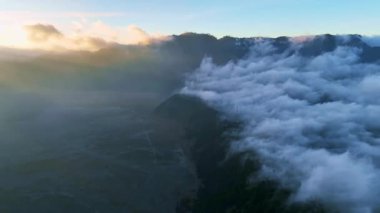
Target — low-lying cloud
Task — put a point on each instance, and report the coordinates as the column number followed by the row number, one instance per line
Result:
column 312, row 120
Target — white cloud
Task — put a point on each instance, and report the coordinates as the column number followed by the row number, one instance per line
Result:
column 313, row 121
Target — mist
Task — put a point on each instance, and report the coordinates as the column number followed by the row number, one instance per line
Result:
column 75, row 130
column 76, row 125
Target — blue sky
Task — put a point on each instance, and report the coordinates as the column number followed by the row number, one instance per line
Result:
column 236, row 18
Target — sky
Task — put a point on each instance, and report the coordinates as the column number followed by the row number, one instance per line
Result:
column 241, row 18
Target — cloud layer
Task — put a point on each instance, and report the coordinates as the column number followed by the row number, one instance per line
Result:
column 311, row 119
column 309, row 114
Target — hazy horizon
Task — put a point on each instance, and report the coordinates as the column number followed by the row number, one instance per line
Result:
column 117, row 20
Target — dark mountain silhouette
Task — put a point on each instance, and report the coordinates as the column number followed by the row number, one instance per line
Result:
column 224, row 179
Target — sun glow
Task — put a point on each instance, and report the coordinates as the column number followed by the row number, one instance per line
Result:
column 79, row 35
